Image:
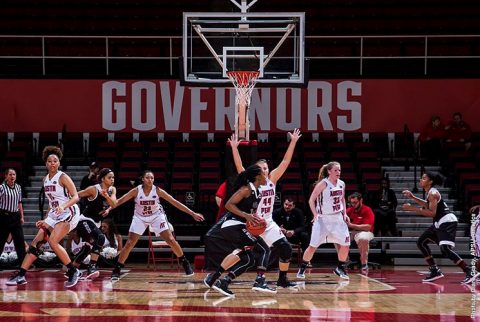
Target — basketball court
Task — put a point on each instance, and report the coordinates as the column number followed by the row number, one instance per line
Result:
column 383, row 295
column 242, row 50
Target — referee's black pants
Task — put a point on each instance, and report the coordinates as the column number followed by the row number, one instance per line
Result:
column 11, row 224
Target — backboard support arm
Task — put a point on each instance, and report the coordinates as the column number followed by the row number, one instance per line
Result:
column 243, row 6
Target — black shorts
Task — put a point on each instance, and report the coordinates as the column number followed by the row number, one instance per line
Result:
column 445, row 234
column 88, row 231
column 238, row 236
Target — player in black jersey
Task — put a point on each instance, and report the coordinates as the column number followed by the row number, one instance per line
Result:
column 442, row 231
column 94, row 240
column 99, row 198
column 241, row 208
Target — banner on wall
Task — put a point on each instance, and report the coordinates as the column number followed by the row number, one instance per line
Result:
column 165, row 106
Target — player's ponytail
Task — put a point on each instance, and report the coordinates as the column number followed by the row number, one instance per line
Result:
column 323, row 173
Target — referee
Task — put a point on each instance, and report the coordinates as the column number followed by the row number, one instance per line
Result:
column 11, row 213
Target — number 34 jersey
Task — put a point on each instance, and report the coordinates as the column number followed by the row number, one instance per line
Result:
column 147, row 205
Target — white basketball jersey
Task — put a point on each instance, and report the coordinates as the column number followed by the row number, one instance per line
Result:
column 9, row 247
column 107, row 243
column 265, row 206
column 56, row 194
column 76, row 247
column 147, row 205
column 331, row 199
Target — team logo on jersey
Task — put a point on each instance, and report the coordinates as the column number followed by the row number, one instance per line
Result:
column 154, row 197
column 54, row 182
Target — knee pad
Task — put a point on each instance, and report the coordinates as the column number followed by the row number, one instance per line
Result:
column 284, row 250
column 423, row 243
column 98, row 245
column 261, row 253
column 34, row 251
column 261, row 246
column 245, row 256
column 448, row 252
column 248, row 258
column 83, row 253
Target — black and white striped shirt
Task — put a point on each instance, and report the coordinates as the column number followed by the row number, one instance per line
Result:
column 10, row 197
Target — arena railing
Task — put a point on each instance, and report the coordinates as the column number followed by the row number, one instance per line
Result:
column 359, row 49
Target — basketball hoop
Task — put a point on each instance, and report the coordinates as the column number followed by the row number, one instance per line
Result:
column 244, row 82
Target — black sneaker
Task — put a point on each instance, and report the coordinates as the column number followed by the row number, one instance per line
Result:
column 468, row 276
column 222, row 287
column 208, row 280
column 188, row 268
column 73, row 276
column 340, row 271
column 301, row 272
column 260, row 285
column 116, row 274
column 434, row 274
column 285, row 283
column 92, row 272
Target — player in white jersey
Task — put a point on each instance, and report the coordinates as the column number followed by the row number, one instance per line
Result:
column 327, row 203
column 75, row 244
column 273, row 235
column 9, row 256
column 61, row 218
column 149, row 213
column 9, row 246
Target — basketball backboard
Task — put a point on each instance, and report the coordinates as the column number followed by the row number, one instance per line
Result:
column 215, row 43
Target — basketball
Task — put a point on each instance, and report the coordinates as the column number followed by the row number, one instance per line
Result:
column 257, row 230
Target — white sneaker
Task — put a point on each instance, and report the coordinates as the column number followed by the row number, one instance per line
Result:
column 16, row 280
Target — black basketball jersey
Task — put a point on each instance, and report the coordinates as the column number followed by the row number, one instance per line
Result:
column 97, row 205
column 442, row 208
column 248, row 205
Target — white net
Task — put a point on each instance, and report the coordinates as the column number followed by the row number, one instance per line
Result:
column 244, row 83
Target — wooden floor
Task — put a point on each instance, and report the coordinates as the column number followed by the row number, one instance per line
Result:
column 145, row 295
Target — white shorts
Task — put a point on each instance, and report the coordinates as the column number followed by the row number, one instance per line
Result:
column 156, row 222
column 330, row 229
column 362, row 235
column 272, row 233
column 70, row 215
